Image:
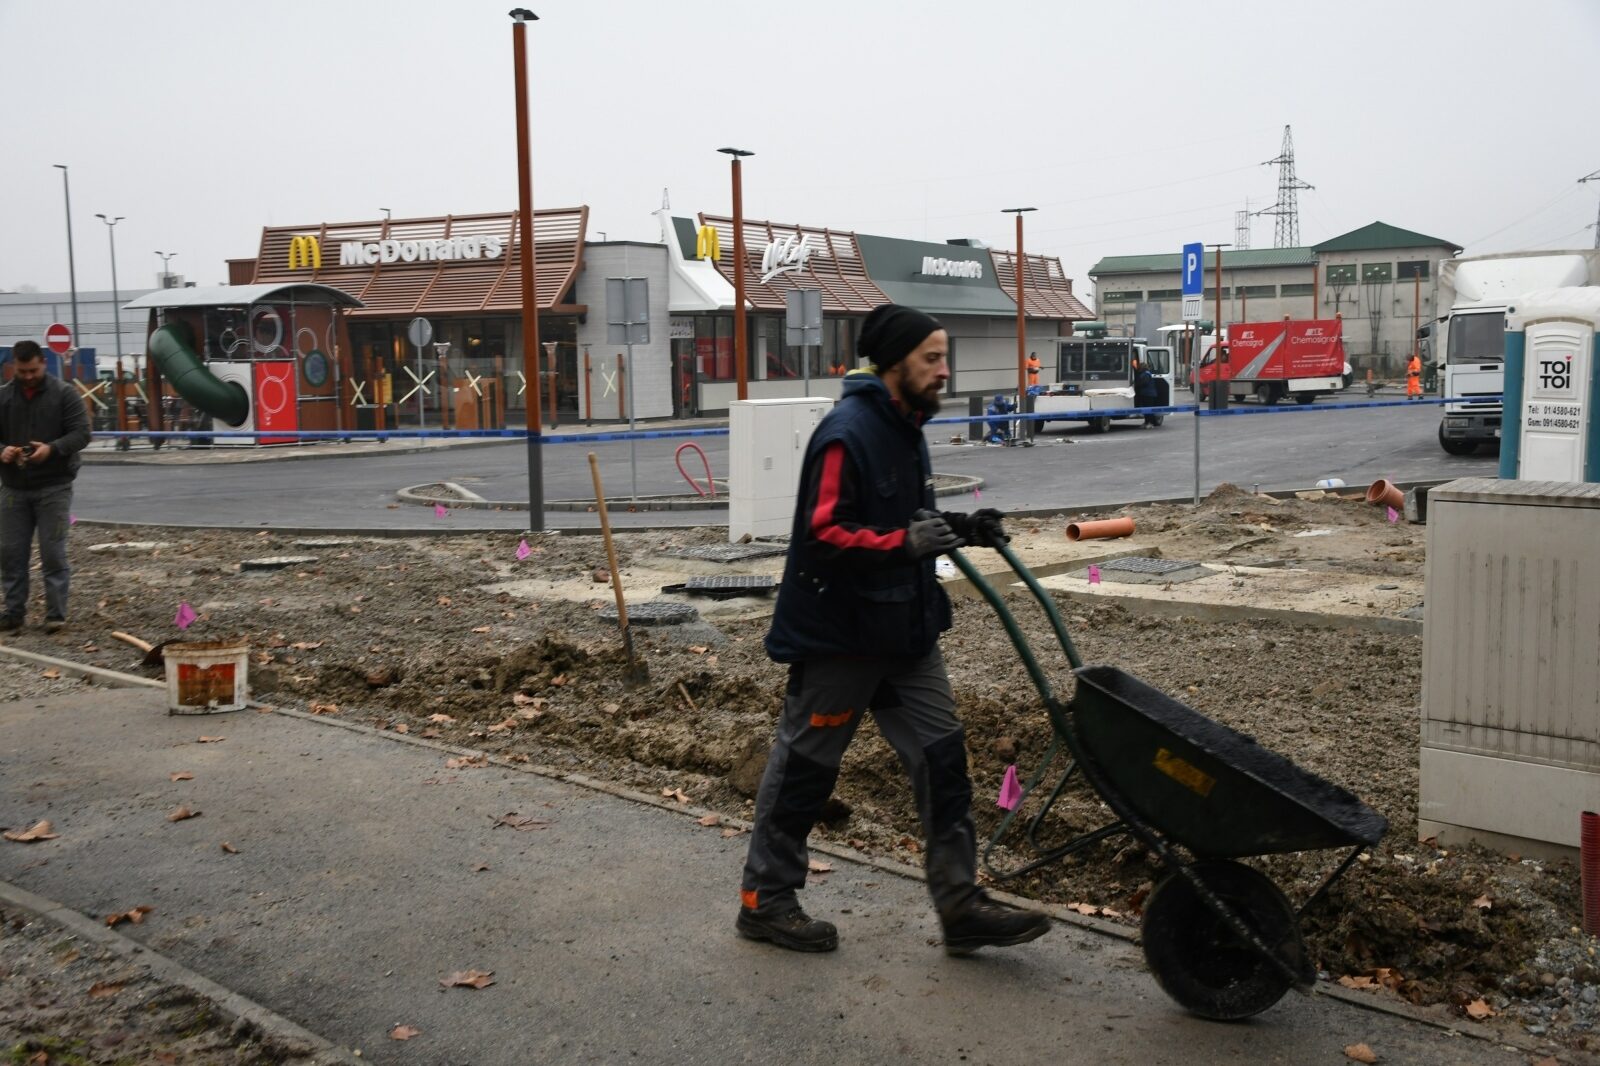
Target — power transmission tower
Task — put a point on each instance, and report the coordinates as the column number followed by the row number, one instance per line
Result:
column 1241, row 226
column 1594, row 177
column 1286, row 234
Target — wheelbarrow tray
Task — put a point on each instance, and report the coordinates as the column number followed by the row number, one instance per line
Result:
column 1213, row 790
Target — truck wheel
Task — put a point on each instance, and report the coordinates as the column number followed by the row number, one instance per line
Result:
column 1456, row 447
column 1266, row 394
column 1304, row 398
column 1099, row 425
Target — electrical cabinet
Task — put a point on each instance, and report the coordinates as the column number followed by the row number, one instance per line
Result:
column 766, row 445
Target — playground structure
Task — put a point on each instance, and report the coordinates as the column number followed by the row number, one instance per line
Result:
column 254, row 358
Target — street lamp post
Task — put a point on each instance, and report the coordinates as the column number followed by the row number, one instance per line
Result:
column 166, row 267
column 1022, row 316
column 116, row 300
column 72, row 268
column 530, row 293
column 740, row 341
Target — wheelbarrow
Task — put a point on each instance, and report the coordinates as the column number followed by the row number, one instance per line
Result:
column 1220, row 937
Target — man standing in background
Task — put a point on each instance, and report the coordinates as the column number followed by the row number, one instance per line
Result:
column 43, row 427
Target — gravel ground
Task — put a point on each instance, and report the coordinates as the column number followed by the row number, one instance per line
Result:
column 424, row 636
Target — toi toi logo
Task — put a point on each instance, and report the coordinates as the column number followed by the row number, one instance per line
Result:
column 1555, row 373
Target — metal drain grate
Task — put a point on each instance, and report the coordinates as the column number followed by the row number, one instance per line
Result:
column 725, row 586
column 654, row 613
column 730, row 553
column 1143, row 564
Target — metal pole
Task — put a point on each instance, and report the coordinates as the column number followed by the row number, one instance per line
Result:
column 72, row 267
column 1023, row 428
column 422, row 402
column 530, row 294
column 633, row 441
column 805, row 366
column 1219, row 387
column 741, row 373
column 116, row 299
column 588, row 404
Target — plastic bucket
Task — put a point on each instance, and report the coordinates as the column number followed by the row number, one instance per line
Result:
column 207, row 677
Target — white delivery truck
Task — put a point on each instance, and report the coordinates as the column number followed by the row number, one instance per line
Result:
column 1467, row 342
column 1094, row 376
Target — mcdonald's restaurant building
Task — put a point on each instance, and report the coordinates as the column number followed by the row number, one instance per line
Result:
column 462, row 274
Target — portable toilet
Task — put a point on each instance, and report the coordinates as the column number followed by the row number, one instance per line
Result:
column 1552, row 393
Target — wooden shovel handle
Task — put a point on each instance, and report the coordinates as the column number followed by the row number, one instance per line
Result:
column 129, row 638
column 611, row 548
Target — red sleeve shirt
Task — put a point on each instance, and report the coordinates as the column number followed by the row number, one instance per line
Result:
column 831, row 508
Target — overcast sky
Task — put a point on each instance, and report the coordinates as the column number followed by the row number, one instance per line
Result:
column 1132, row 127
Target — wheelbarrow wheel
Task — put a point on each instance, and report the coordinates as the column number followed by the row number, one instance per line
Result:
column 1202, row 963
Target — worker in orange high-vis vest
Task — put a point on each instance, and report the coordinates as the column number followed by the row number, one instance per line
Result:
column 1033, row 368
column 1414, row 378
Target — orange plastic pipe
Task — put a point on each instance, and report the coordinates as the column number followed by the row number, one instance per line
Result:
column 1383, row 492
column 1110, row 527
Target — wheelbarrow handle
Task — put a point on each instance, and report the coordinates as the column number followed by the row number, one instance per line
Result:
column 1040, row 681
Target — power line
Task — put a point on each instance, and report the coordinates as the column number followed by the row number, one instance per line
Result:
column 1536, row 211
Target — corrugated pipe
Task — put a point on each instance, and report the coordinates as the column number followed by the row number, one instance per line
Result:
column 1589, row 867
column 1110, row 527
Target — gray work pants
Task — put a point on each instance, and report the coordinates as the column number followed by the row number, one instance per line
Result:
column 23, row 512
column 910, row 700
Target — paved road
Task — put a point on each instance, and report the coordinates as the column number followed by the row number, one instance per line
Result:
column 356, row 888
column 1071, row 467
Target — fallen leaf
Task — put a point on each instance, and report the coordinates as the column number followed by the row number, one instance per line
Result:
column 1360, row 1053
column 1478, row 1010
column 731, row 832
column 466, row 762
column 711, row 660
column 229, row 848
column 440, row 718
column 181, row 775
column 480, row 629
column 522, row 699
column 675, row 794
column 430, row 734
column 211, row 740
column 469, row 979
column 183, row 814
column 817, row 866
column 478, row 869
column 1483, row 903
column 51, row 674
column 102, row 989
column 402, row 728
column 612, row 708
column 404, row 1032
column 324, row 708
column 306, row 645
column 136, row 916
column 710, row 819
column 699, row 649
column 1107, row 912
column 1084, row 908
column 559, row 680
column 1388, row 978
column 33, row 834
column 1357, row 982
column 503, row 725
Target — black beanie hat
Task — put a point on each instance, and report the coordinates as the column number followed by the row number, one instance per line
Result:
column 891, row 331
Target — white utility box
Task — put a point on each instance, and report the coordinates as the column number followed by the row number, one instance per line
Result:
column 1511, row 664
column 766, row 444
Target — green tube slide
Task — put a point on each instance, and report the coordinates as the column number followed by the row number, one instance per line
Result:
column 172, row 349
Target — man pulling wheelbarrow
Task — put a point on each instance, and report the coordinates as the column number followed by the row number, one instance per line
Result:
column 858, row 620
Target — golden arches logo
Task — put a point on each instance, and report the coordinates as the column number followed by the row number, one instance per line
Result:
column 707, row 244
column 305, row 251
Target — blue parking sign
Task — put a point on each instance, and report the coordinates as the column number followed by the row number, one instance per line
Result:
column 1193, row 271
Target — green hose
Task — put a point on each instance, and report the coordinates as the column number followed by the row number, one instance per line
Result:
column 172, row 349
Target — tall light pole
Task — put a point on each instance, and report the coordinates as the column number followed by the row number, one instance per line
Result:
column 116, row 300
column 740, row 341
column 1022, row 314
column 166, row 268
column 530, row 293
column 72, row 269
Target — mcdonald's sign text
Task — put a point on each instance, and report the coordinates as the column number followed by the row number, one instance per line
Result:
column 305, row 252
column 707, row 244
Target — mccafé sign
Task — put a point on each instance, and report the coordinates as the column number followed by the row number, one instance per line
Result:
column 305, row 252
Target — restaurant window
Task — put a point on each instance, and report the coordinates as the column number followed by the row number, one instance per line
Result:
column 713, row 347
column 838, row 347
column 1164, row 294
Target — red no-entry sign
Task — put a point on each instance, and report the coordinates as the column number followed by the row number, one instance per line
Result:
column 58, row 339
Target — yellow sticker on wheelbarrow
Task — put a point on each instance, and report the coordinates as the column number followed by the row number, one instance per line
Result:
column 1184, row 773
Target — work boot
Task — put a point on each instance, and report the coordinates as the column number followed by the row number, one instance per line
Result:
column 792, row 929
column 54, row 625
column 10, row 623
column 984, row 923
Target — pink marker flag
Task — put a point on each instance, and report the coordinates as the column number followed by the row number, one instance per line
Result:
column 523, row 551
column 185, row 616
column 72, row 519
column 977, row 494
column 1010, row 790
column 1094, row 575
column 440, row 511
column 1394, row 516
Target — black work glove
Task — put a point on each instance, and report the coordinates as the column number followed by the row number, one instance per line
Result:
column 930, row 534
column 984, row 528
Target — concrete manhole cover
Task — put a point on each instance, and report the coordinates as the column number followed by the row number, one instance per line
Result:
column 725, row 586
column 1143, row 570
column 731, row 553
column 654, row 613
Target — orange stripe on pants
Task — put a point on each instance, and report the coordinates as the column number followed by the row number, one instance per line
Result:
column 826, row 721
